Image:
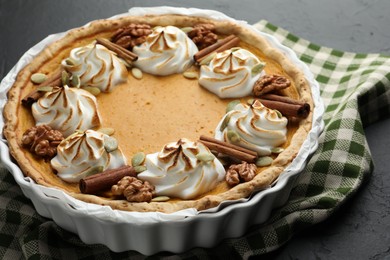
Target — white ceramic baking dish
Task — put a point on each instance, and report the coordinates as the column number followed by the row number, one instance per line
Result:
column 149, row 233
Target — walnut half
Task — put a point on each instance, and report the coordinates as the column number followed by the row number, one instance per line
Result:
column 269, row 83
column 131, row 35
column 240, row 172
column 134, row 190
column 42, row 140
column 203, row 35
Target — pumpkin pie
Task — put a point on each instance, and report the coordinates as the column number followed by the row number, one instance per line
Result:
column 158, row 113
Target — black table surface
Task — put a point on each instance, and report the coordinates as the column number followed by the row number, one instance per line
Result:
column 360, row 229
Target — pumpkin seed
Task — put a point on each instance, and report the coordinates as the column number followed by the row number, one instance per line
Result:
column 231, row 105
column 233, row 136
column 235, row 49
column 277, row 150
column 206, row 60
column 45, row 88
column 137, row 73
column 75, row 81
column 138, row 159
column 205, row 157
column 65, row 78
column 225, row 122
column 187, row 29
column 93, row 90
column 161, row 199
column 264, row 161
column 110, row 144
column 70, row 62
column 257, row 68
column 139, row 168
column 190, row 75
column 107, row 130
column 278, row 113
column 38, row 78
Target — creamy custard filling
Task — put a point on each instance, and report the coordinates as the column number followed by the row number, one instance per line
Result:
column 152, row 120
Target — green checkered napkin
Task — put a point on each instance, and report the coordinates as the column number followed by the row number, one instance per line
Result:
column 356, row 91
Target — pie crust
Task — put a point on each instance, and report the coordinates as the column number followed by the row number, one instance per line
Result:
column 18, row 118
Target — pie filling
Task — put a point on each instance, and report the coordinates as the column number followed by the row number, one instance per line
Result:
column 145, row 117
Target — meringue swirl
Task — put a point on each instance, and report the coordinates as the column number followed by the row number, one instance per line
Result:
column 96, row 66
column 254, row 127
column 229, row 74
column 83, row 154
column 167, row 50
column 176, row 171
column 67, row 110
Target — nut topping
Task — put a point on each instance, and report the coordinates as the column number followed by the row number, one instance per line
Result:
column 38, row 78
column 132, row 35
column 240, row 172
column 203, row 35
column 269, row 83
column 42, row 140
column 134, row 190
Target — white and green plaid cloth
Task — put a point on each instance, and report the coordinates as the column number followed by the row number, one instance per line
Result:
column 356, row 91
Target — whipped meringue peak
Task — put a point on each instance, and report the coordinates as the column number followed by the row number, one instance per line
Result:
column 96, row 66
column 183, row 169
column 85, row 153
column 254, row 127
column 67, row 110
column 231, row 73
column 167, row 50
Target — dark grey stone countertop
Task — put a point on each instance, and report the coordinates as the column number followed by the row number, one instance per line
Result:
column 360, row 229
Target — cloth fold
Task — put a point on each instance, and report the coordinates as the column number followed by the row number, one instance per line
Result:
column 355, row 88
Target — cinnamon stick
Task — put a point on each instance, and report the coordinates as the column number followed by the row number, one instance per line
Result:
column 54, row 80
column 103, row 181
column 230, row 44
column 219, row 46
column 285, row 105
column 232, row 150
column 123, row 53
column 282, row 99
column 32, row 97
